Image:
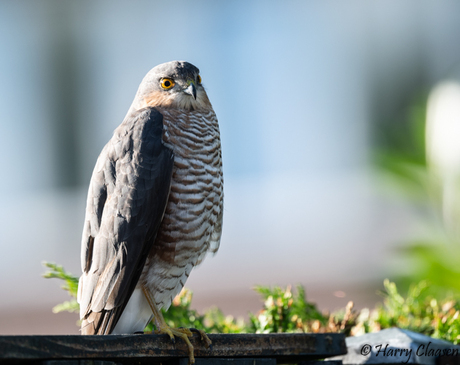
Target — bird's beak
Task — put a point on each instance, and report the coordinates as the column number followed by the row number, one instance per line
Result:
column 191, row 90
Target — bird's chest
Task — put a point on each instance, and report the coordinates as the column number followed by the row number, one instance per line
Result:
column 194, row 138
column 196, row 195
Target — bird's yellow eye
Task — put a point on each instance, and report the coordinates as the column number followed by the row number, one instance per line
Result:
column 167, row 83
column 198, row 79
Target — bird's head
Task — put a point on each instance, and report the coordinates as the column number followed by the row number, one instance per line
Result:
column 174, row 84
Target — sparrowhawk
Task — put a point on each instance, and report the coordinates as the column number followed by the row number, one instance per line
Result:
column 154, row 207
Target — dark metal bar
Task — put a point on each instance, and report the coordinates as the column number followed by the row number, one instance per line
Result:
column 181, row 361
column 135, row 349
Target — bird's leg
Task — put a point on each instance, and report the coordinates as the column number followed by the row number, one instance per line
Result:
column 184, row 333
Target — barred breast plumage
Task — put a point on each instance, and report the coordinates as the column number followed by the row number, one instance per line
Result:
column 192, row 223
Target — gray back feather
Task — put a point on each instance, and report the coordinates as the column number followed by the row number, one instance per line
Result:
column 126, row 201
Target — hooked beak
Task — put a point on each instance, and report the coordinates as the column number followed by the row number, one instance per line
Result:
column 191, row 90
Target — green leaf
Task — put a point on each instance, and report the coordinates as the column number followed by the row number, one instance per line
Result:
column 71, row 306
column 58, row 272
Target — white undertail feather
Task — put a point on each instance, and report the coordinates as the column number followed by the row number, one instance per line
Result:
column 136, row 314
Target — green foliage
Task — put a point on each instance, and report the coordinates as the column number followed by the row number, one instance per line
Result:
column 180, row 314
column 410, row 313
column 285, row 311
column 71, row 306
column 403, row 158
column 217, row 322
column 418, row 311
column 70, row 285
column 438, row 262
column 436, row 254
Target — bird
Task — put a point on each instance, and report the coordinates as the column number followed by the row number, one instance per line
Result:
column 154, row 206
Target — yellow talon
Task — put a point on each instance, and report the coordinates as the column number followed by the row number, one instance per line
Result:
column 204, row 337
column 184, row 333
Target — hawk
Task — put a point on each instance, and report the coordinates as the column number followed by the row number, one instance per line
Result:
column 154, row 207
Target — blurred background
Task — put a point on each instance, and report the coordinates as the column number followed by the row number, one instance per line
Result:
column 322, row 109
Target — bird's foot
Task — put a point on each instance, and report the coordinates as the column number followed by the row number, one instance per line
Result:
column 184, row 334
column 204, row 337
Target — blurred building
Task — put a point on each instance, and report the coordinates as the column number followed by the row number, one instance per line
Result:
column 303, row 91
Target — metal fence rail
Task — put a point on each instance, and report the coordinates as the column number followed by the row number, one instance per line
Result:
column 237, row 349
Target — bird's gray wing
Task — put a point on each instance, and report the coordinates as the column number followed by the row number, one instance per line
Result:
column 126, row 201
